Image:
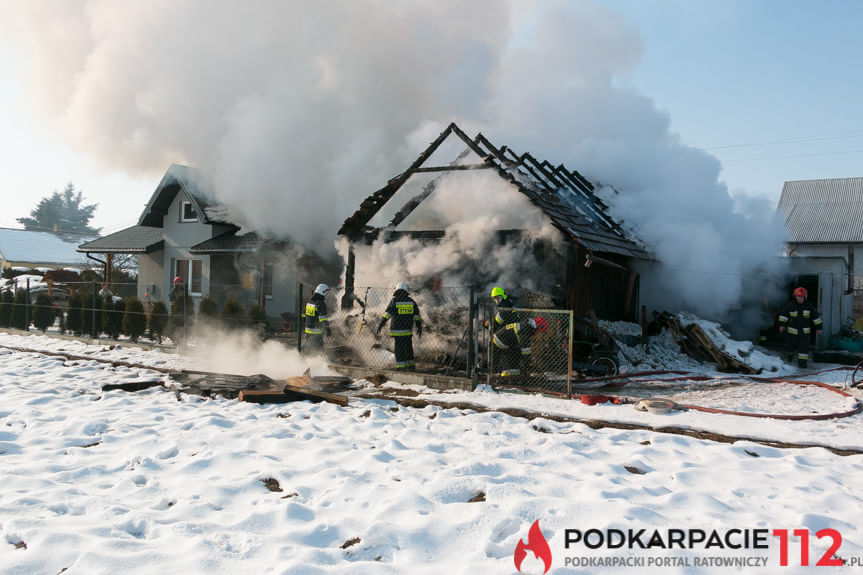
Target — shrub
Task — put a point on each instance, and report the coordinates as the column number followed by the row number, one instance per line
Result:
column 233, row 312
column 19, row 310
column 91, row 314
column 43, row 312
column 158, row 320
column 134, row 320
column 116, row 322
column 208, row 308
column 258, row 320
column 6, row 299
column 73, row 313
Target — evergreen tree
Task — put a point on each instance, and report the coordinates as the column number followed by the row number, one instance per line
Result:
column 19, row 310
column 208, row 308
column 6, row 298
column 233, row 312
column 106, row 309
column 134, row 320
column 64, row 211
column 91, row 313
column 43, row 312
column 74, row 313
column 158, row 320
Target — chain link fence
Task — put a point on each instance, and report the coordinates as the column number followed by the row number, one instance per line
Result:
column 544, row 350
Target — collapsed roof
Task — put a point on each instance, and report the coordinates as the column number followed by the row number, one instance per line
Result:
column 566, row 197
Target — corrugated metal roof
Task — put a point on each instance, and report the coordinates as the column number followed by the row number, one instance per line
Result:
column 133, row 240
column 826, row 222
column 823, row 211
column 25, row 246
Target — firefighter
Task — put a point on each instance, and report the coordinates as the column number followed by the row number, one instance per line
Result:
column 506, row 339
column 797, row 318
column 178, row 291
column 403, row 312
column 316, row 321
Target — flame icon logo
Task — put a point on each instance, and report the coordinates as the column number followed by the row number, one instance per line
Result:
column 536, row 543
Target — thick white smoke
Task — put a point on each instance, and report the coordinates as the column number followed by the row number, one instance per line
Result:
column 472, row 207
column 301, row 109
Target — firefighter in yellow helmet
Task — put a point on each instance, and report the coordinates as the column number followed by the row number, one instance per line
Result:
column 505, row 337
column 797, row 318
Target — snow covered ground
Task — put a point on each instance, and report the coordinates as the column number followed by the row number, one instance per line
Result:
column 115, row 482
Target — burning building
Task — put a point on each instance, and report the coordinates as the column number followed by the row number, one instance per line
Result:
column 467, row 212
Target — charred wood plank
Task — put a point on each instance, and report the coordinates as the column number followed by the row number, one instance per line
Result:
column 457, row 168
column 133, row 385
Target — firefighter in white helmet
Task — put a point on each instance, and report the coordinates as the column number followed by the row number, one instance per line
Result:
column 403, row 313
column 316, row 321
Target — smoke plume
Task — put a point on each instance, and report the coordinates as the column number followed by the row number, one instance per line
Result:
column 299, row 110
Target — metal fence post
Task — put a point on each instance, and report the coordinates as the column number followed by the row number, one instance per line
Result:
column 27, row 308
column 490, row 353
column 569, row 360
column 301, row 321
column 471, row 344
column 93, row 331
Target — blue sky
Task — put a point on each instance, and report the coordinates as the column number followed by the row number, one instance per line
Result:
column 771, row 88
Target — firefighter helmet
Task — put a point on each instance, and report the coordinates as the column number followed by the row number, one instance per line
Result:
column 800, row 291
column 401, row 286
column 541, row 324
column 322, row 289
column 497, row 291
column 178, row 280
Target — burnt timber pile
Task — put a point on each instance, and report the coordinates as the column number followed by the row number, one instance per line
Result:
column 698, row 345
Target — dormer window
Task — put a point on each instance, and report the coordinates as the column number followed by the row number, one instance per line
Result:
column 187, row 212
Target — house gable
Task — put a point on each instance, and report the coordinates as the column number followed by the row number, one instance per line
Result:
column 184, row 180
column 565, row 197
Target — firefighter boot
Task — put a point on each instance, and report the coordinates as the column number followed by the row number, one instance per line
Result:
column 802, row 363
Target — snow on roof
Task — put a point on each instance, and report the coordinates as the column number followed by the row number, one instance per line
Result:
column 25, row 246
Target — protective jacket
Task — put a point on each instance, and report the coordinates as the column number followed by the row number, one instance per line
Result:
column 799, row 318
column 316, row 319
column 403, row 312
column 504, row 314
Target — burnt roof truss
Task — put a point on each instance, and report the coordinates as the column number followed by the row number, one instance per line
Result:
column 566, row 197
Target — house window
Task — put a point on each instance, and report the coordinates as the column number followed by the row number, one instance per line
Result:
column 187, row 212
column 268, row 281
column 190, row 271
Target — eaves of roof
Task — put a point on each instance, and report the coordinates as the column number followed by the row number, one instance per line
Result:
column 132, row 240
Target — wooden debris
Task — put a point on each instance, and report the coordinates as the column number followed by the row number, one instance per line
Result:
column 301, row 394
column 350, row 542
column 289, row 394
column 133, row 385
column 698, row 345
column 272, row 484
